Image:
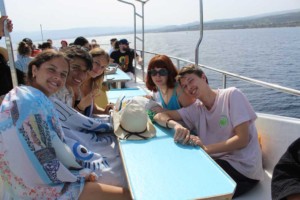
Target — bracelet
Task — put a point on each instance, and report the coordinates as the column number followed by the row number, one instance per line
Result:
column 79, row 108
column 167, row 122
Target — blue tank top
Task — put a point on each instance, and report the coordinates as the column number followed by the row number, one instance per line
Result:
column 173, row 102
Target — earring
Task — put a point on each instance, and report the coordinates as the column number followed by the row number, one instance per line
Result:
column 33, row 76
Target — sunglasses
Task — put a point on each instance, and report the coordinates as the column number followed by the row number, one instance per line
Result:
column 161, row 72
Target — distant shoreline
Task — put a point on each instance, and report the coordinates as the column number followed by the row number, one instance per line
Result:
column 209, row 29
column 288, row 19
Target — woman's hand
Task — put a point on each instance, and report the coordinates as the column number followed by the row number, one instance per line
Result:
column 87, row 100
column 148, row 96
column 9, row 25
column 109, row 107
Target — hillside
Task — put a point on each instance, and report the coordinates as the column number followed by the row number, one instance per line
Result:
column 282, row 19
column 288, row 19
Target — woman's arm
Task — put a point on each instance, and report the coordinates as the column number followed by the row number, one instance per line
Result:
column 93, row 190
column 99, row 110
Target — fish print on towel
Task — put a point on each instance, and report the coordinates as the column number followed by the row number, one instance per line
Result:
column 93, row 143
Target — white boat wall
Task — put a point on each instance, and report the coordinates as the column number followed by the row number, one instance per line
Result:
column 276, row 132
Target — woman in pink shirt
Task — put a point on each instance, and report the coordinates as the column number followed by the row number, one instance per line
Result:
column 224, row 120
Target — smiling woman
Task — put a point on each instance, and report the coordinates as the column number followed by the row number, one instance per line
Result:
column 92, row 86
column 34, row 159
column 48, row 72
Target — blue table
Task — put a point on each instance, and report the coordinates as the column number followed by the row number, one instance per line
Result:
column 159, row 169
column 118, row 77
column 114, row 94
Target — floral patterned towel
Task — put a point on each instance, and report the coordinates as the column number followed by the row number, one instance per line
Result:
column 33, row 161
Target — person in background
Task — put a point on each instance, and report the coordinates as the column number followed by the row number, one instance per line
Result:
column 124, row 58
column 82, row 42
column 94, row 44
column 224, row 121
column 52, row 46
column 64, row 45
column 161, row 80
column 24, row 56
column 34, row 50
column 113, row 46
column 91, row 87
column 34, row 159
column 80, row 64
column 45, row 46
column 285, row 183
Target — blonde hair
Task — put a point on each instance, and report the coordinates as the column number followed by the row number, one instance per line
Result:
column 97, row 81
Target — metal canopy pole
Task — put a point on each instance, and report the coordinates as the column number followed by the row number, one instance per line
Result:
column 9, row 47
column 143, row 31
column 134, row 19
column 201, row 34
column 143, row 35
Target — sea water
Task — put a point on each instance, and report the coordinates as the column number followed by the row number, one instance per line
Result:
column 267, row 54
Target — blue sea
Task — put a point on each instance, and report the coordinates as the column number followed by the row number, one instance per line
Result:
column 268, row 54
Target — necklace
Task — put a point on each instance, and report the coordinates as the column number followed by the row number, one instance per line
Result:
column 164, row 93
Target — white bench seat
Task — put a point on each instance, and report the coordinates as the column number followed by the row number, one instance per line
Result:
column 276, row 134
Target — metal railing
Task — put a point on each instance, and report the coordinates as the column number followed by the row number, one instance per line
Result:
column 226, row 74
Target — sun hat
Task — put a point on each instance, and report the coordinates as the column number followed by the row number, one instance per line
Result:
column 133, row 123
column 123, row 41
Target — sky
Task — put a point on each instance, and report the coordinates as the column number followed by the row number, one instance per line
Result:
column 28, row 15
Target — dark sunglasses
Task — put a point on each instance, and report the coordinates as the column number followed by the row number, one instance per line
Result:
column 161, row 72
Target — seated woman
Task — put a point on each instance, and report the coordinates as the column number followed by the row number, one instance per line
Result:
column 224, row 121
column 80, row 64
column 92, row 85
column 89, row 138
column 35, row 162
column 161, row 80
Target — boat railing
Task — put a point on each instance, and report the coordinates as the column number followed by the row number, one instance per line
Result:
column 181, row 62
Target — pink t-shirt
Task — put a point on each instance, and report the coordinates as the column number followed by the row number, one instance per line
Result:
column 230, row 109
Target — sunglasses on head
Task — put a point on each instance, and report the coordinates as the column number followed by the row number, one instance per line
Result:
column 161, row 72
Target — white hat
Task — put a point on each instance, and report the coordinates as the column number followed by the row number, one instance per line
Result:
column 133, row 123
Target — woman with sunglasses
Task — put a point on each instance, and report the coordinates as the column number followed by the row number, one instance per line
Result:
column 161, row 81
column 34, row 160
column 92, row 86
